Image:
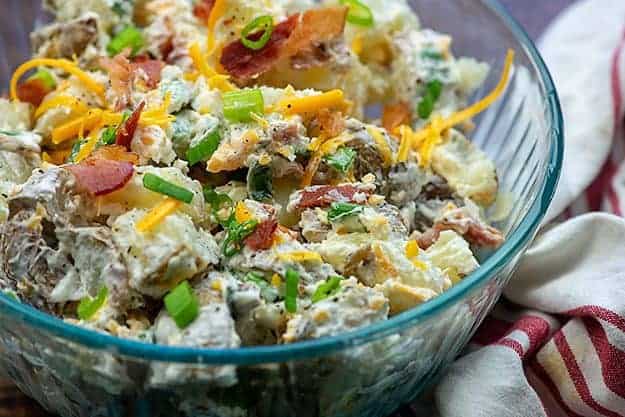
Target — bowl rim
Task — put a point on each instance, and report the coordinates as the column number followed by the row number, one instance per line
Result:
column 319, row 347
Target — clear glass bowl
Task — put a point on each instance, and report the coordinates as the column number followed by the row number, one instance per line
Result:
column 366, row 373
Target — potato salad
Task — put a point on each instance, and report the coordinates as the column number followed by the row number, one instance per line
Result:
column 226, row 173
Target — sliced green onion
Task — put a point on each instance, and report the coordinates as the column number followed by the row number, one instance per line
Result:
column 89, row 306
column 9, row 132
column 236, row 233
column 108, row 136
column 327, row 289
column 433, row 90
column 292, row 283
column 204, row 148
column 339, row 211
column 220, row 204
column 11, row 294
column 159, row 185
column 182, row 305
column 359, row 13
column 75, row 149
column 129, row 37
column 342, row 160
column 431, row 53
column 264, row 23
column 267, row 291
column 259, row 182
column 239, row 105
column 45, row 77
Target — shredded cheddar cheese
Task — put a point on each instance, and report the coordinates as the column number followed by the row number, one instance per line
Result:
column 312, row 104
column 242, row 213
column 428, row 138
column 300, row 256
column 56, row 157
column 217, row 12
column 382, row 145
column 412, row 249
column 213, row 79
column 73, row 128
column 87, row 148
column 157, row 215
column 67, row 66
column 276, row 280
column 75, row 105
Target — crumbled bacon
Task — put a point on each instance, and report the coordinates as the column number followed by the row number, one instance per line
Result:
column 474, row 231
column 115, row 153
column 32, row 91
column 120, row 72
column 202, row 9
column 395, row 115
column 151, row 68
column 262, row 237
column 327, row 124
column 101, row 176
column 324, row 195
column 296, row 34
column 127, row 130
column 243, row 62
column 316, row 26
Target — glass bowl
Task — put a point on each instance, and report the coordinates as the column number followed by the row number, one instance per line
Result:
column 366, row 373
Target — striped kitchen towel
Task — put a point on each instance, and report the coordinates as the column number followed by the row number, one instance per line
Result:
column 556, row 345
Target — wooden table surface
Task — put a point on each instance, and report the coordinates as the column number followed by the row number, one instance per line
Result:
column 534, row 15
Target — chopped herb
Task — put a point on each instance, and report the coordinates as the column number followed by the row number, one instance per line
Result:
column 235, row 234
column 75, row 149
column 264, row 23
column 45, row 77
column 433, row 91
column 203, row 149
column 129, row 37
column 259, row 182
column 339, row 211
column 108, row 136
column 292, row 284
column 89, row 306
column 11, row 294
column 239, row 105
column 9, row 132
column 267, row 291
column 431, row 53
column 329, row 288
column 222, row 206
column 182, row 305
column 159, row 185
column 342, row 160
column 359, row 13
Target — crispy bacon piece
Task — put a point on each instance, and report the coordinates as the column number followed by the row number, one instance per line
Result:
column 262, row 237
column 152, row 69
column 474, row 231
column 127, row 130
column 395, row 115
column 327, row 123
column 32, row 91
column 115, row 153
column 120, row 73
column 101, row 176
column 290, row 37
column 243, row 63
column 316, row 26
column 324, row 195
column 202, row 9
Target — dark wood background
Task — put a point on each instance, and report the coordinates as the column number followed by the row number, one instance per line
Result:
column 534, row 15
